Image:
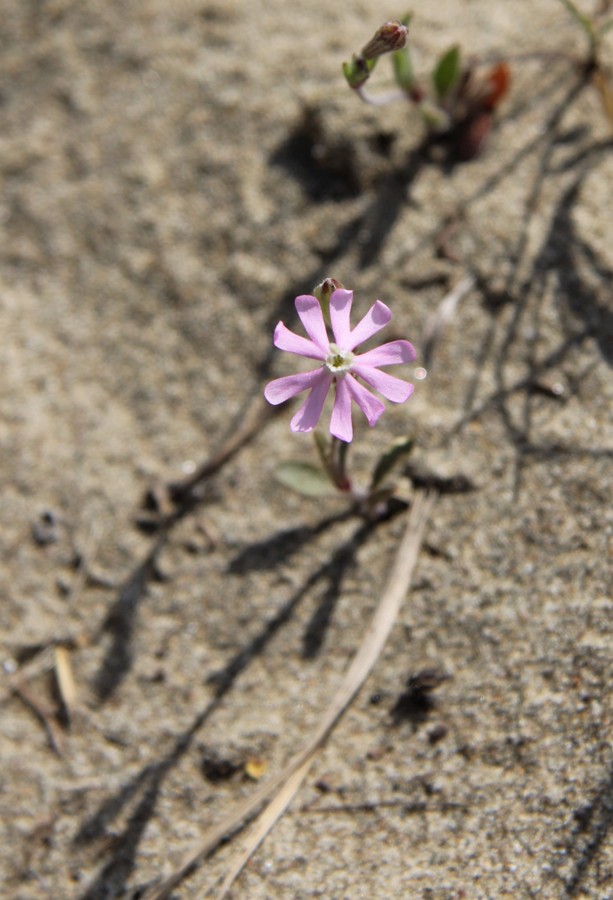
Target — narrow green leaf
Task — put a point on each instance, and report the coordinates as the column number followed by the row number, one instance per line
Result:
column 447, row 72
column 399, row 449
column 607, row 26
column 583, row 20
column 305, row 479
column 403, row 69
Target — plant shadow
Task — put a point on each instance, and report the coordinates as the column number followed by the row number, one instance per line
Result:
column 268, row 553
column 593, row 826
column 143, row 790
column 567, row 267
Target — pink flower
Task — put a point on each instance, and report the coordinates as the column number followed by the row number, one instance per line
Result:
column 340, row 366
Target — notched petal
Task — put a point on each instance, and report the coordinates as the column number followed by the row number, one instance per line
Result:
column 370, row 405
column 375, row 319
column 282, row 389
column 285, row 339
column 311, row 316
column 392, row 388
column 309, row 413
column 341, row 425
column 391, row 354
column 340, row 311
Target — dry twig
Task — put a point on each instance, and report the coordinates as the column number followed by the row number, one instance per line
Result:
column 283, row 787
column 442, row 315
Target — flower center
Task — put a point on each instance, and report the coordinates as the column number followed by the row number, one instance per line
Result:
column 339, row 361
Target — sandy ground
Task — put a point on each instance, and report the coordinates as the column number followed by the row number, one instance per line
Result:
column 173, row 174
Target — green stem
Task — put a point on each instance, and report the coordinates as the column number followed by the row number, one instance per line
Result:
column 338, row 459
column 586, row 24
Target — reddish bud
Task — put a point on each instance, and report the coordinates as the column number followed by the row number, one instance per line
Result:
column 324, row 291
column 390, row 37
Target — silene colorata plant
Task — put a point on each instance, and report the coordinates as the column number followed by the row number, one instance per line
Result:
column 350, row 377
column 456, row 102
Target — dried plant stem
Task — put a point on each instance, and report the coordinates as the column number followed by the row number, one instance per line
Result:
column 254, row 419
column 283, row 787
column 442, row 315
column 265, row 823
column 44, row 715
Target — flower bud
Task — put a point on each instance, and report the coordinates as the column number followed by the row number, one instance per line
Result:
column 391, row 36
column 324, row 291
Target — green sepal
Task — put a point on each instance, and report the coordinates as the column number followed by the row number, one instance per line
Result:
column 358, row 71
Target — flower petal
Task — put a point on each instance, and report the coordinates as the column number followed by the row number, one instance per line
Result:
column 286, row 340
column 375, row 319
column 340, row 310
column 283, row 388
column 392, row 388
column 387, row 354
column 341, row 425
column 311, row 316
column 308, row 415
column 370, row 405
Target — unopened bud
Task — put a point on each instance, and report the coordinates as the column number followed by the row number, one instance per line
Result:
column 324, row 291
column 391, row 36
